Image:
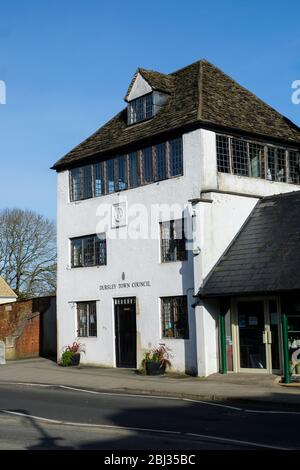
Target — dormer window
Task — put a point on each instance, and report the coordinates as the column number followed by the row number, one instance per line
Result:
column 147, row 93
column 145, row 107
column 140, row 109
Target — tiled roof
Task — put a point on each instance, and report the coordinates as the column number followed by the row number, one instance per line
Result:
column 265, row 255
column 200, row 95
column 5, row 290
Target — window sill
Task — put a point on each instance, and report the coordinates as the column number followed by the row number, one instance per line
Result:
column 175, row 339
column 175, row 261
column 87, row 337
column 92, row 266
column 141, row 185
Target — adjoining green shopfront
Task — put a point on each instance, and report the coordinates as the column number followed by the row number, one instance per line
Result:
column 257, row 282
column 260, row 334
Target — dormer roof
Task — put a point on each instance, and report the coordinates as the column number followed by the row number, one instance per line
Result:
column 157, row 81
column 201, row 95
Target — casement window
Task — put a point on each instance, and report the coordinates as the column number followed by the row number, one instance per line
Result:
column 294, row 166
column 75, row 179
column 110, row 176
column 176, row 157
column 246, row 158
column 257, row 160
column 140, row 109
column 223, row 154
column 239, row 157
column 148, row 165
column 174, row 317
column 281, row 173
column 88, row 251
column 173, row 241
column 161, row 161
column 86, row 319
column 121, row 171
column 99, row 187
column 134, row 176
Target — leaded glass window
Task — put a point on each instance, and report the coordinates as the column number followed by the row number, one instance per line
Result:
column 175, row 317
column 88, row 251
column 86, row 319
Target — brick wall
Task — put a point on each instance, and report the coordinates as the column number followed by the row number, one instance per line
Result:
column 21, row 327
column 28, row 344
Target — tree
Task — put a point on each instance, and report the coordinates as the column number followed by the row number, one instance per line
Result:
column 27, row 252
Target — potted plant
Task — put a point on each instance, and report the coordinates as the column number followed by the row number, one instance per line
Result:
column 156, row 360
column 71, row 354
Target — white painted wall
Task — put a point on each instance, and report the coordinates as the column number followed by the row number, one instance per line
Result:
column 215, row 224
column 138, row 259
column 255, row 186
column 140, row 88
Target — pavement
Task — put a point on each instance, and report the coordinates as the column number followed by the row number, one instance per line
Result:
column 262, row 389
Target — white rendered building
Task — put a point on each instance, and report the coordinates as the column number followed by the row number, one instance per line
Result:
column 191, row 146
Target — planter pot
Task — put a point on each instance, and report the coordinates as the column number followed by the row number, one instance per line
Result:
column 154, row 368
column 75, row 359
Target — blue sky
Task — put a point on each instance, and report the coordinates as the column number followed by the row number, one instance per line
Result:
column 67, row 65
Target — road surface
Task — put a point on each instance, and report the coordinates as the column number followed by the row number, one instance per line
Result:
column 51, row 417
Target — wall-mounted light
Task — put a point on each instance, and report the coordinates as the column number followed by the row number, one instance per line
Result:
column 197, row 251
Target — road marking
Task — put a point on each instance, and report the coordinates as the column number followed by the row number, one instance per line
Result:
column 272, row 412
column 213, row 404
column 157, row 397
column 24, row 415
column 135, row 429
column 119, row 394
column 235, row 441
column 89, row 425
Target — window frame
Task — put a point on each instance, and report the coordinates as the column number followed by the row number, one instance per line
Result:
column 269, row 152
column 101, row 238
column 88, row 305
column 163, row 321
column 143, row 101
column 98, row 172
column 166, row 246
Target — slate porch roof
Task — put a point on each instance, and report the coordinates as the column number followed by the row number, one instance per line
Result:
column 5, row 290
column 201, row 95
column 264, row 257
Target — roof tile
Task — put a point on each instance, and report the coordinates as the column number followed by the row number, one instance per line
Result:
column 200, row 95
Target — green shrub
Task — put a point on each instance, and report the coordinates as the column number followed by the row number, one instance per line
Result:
column 66, row 358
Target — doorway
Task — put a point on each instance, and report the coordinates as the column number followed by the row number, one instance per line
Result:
column 125, row 331
column 256, row 336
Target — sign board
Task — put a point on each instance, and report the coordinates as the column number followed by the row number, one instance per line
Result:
column 125, row 285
